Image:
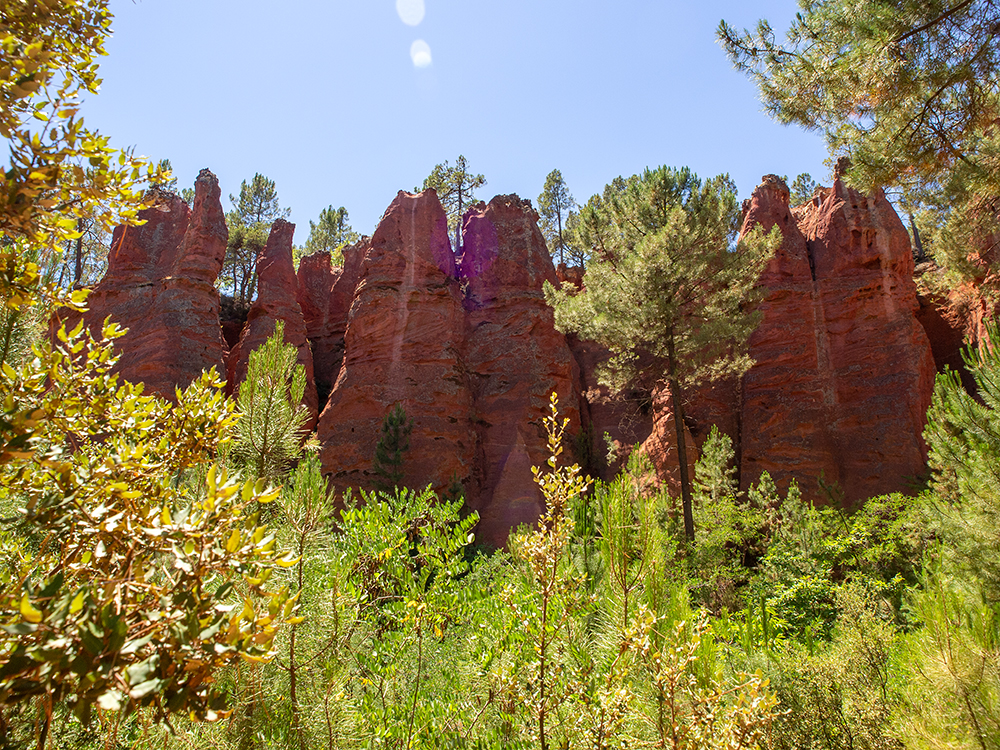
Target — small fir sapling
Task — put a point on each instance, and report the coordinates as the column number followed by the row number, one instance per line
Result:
column 391, row 449
column 270, row 431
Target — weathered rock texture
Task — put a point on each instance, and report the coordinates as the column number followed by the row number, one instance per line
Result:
column 277, row 291
column 514, row 358
column 325, row 294
column 844, row 371
column 948, row 326
column 403, row 345
column 160, row 284
column 468, row 348
column 473, row 368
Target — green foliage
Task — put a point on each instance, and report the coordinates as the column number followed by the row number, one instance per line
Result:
column 953, row 663
column 130, row 572
column 406, row 553
column 256, row 208
column 668, row 293
column 801, row 189
column 715, row 470
column 330, row 234
column 555, row 204
column 813, row 551
column 58, row 170
column 391, row 448
column 61, row 179
column 963, row 438
column 272, row 418
column 843, row 696
column 667, row 275
column 908, row 91
column 456, row 188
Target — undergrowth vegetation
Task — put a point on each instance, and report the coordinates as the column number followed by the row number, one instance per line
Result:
column 144, row 591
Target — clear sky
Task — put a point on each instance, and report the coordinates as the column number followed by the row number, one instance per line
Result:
column 345, row 102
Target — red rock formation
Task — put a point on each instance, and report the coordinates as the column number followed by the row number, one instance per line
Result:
column 626, row 420
column 570, row 274
column 515, row 358
column 661, row 445
column 844, row 371
column 403, row 345
column 160, row 284
column 947, row 325
column 325, row 294
column 277, row 291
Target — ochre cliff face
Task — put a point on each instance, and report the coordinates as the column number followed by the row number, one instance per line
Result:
column 467, row 346
column 514, row 358
column 472, row 369
column 160, row 284
column 844, row 371
column 403, row 344
column 325, row 294
column 277, row 299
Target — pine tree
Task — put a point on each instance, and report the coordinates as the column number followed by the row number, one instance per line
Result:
column 801, row 189
column 555, row 204
column 270, row 431
column 715, row 474
column 963, row 438
column 456, row 187
column 249, row 223
column 330, row 233
column 909, row 91
column 391, row 447
column 669, row 291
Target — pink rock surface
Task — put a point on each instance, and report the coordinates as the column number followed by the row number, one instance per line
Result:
column 515, row 358
column 277, row 291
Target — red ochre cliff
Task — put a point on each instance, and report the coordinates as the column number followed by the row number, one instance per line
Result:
column 466, row 344
column 277, row 299
column 844, row 370
column 160, row 284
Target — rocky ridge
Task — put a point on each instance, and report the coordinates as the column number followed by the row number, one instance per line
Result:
column 466, row 343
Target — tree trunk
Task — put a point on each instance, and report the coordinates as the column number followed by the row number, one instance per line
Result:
column 458, row 223
column 675, row 399
column 78, row 271
column 917, row 243
column 562, row 245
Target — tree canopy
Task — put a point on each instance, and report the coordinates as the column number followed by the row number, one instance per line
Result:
column 330, row 233
column 669, row 289
column 456, row 187
column 555, row 205
column 256, row 207
column 907, row 89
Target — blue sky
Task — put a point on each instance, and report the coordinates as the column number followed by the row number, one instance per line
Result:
column 325, row 99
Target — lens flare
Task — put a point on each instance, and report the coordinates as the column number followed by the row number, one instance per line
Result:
column 420, row 53
column 411, row 12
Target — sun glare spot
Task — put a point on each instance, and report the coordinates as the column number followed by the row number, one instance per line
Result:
column 420, row 53
column 411, row 12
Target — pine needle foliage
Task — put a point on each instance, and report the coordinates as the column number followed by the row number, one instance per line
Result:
column 908, row 90
column 456, row 188
column 963, row 436
column 670, row 291
column 391, row 448
column 272, row 421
